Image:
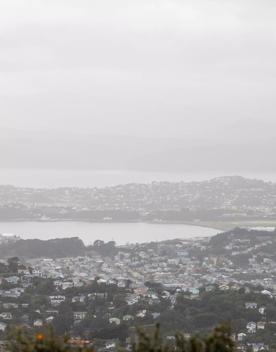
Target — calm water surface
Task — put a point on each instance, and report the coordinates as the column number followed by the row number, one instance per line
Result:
column 120, row 232
column 89, row 232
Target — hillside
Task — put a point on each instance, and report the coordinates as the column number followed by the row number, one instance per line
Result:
column 218, row 201
column 55, row 248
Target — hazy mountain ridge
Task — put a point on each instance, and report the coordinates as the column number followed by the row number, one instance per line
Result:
column 219, row 199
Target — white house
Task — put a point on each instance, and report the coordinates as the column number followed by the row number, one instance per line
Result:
column 3, row 326
column 12, row 279
column 10, row 305
column 67, row 284
column 241, row 336
column 251, row 327
column 38, row 323
column 79, row 299
column 194, row 291
column 56, row 300
column 256, row 347
column 142, row 313
column 49, row 319
column 79, row 315
column 128, row 317
column 155, row 315
column 6, row 315
column 261, row 325
column 115, row 321
column 262, row 310
column 251, row 305
column 267, row 293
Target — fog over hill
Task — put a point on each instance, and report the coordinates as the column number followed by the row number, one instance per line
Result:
column 92, row 152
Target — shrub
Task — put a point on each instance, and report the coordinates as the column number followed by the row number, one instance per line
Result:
column 22, row 340
column 219, row 341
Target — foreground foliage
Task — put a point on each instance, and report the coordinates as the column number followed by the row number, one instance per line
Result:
column 21, row 340
column 219, row 341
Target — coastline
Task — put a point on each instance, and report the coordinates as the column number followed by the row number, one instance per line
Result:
column 216, row 225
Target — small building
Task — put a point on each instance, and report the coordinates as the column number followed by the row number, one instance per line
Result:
column 6, row 316
column 267, row 293
column 3, row 326
column 56, row 300
column 115, row 321
column 78, row 299
column 251, row 305
column 142, row 313
column 262, row 310
column 194, row 292
column 128, row 317
column 12, row 280
column 251, row 327
column 79, row 315
column 38, row 323
column 261, row 325
column 10, row 305
column 257, row 347
column 155, row 315
column 241, row 336
column 67, row 284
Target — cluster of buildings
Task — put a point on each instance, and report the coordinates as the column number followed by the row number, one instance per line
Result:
column 188, row 264
column 224, row 198
column 132, row 283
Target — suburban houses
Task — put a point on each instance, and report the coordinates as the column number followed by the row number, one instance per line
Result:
column 101, row 295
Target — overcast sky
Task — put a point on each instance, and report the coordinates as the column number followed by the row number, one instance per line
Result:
column 195, row 71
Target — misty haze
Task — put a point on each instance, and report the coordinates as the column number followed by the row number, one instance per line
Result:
column 137, row 179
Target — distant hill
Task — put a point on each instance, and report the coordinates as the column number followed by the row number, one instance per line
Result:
column 254, row 236
column 241, row 246
column 222, row 199
column 33, row 248
column 238, row 245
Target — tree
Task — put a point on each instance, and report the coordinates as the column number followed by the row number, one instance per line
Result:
column 13, row 263
column 219, row 341
column 43, row 286
column 64, row 321
column 22, row 340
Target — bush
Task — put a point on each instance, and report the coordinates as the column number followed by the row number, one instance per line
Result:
column 22, row 340
column 219, row 341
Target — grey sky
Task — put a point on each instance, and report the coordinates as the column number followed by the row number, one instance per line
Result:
column 194, row 70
